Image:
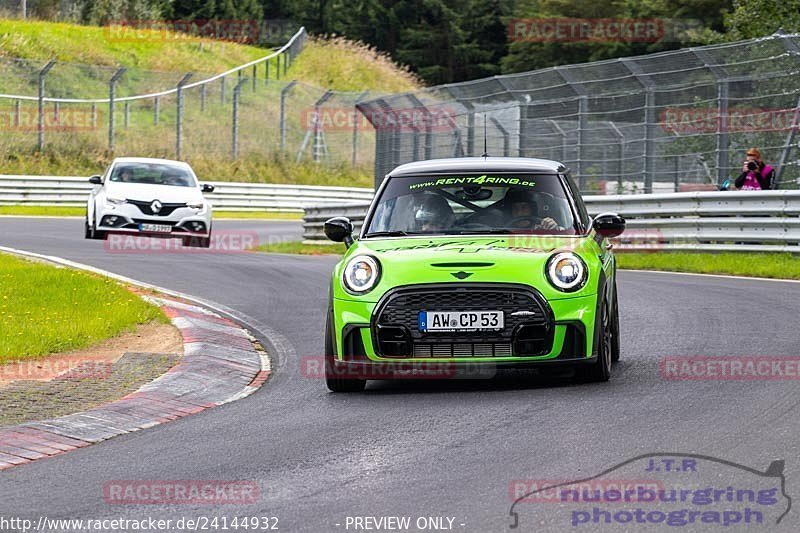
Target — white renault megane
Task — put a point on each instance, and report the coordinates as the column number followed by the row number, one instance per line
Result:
column 155, row 197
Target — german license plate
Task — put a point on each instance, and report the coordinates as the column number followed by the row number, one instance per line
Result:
column 460, row 320
column 155, row 228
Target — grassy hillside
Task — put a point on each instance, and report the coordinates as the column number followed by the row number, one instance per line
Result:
column 156, row 64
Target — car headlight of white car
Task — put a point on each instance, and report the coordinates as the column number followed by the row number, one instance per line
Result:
column 199, row 206
column 115, row 201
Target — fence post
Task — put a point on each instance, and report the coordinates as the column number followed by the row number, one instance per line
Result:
column 237, row 91
column 583, row 110
column 355, row 125
column 723, row 135
column 318, row 145
column 285, row 64
column 266, row 72
column 504, row 133
column 179, row 118
column 56, row 109
column 112, row 90
column 278, row 67
column 40, row 125
column 127, row 113
column 203, row 89
column 17, row 112
column 255, row 77
column 282, row 123
column 222, row 90
column 155, row 110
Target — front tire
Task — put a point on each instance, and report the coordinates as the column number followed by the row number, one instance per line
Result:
column 600, row 370
column 333, row 378
column 615, row 350
column 91, row 232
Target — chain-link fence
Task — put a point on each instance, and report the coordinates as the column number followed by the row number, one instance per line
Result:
column 253, row 111
column 678, row 120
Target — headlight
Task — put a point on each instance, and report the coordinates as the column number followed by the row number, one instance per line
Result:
column 115, row 201
column 361, row 274
column 199, row 206
column 566, row 271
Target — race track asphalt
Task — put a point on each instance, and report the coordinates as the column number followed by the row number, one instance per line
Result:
column 424, row 448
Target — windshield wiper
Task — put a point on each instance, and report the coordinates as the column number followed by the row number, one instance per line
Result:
column 393, row 233
column 498, row 231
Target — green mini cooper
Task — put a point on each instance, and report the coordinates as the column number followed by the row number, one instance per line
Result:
column 472, row 263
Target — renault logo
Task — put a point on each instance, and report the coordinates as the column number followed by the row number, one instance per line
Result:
column 155, row 207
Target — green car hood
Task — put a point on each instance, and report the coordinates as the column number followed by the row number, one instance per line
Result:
column 496, row 259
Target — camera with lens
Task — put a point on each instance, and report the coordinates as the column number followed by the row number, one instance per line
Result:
column 752, row 165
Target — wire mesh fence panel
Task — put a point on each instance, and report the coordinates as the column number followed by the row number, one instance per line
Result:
column 679, row 120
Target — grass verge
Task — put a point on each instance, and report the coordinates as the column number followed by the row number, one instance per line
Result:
column 45, row 309
column 759, row 265
column 297, row 247
column 58, row 211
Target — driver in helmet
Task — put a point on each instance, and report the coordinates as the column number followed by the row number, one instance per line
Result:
column 434, row 214
column 522, row 211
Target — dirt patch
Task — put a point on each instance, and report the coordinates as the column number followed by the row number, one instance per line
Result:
column 150, row 338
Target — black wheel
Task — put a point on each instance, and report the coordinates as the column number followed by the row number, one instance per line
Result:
column 615, row 350
column 87, row 232
column 93, row 233
column 600, row 370
column 335, row 377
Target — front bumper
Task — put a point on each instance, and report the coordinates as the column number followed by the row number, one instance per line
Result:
column 126, row 218
column 571, row 333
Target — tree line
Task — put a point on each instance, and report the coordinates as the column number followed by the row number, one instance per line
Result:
column 445, row 41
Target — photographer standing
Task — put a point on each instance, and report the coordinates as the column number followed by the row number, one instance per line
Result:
column 755, row 176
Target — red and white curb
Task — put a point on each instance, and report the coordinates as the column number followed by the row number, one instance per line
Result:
column 222, row 363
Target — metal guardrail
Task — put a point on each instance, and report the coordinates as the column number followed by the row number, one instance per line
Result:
column 711, row 221
column 228, row 196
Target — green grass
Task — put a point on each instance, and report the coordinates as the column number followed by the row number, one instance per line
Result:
column 58, row 211
column 760, row 265
column 343, row 65
column 68, row 43
column 297, row 247
column 45, row 309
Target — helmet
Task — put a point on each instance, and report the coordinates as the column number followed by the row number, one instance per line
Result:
column 434, row 211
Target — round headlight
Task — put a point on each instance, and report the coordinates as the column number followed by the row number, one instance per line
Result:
column 361, row 274
column 566, row 271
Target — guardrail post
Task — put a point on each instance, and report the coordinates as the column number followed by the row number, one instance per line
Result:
column 127, row 114
column 285, row 64
column 266, row 72
column 94, row 115
column 56, row 109
column 179, row 118
column 255, row 77
column 155, row 111
column 282, row 123
column 237, row 91
column 40, row 125
column 278, row 67
column 17, row 112
column 222, row 90
column 112, row 90
column 203, row 89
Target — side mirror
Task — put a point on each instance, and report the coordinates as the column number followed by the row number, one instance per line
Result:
column 208, row 188
column 339, row 229
column 97, row 180
column 609, row 225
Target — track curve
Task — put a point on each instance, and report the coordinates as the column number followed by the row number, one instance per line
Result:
column 419, row 449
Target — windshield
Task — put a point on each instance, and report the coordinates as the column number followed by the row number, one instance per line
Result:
column 456, row 205
column 152, row 174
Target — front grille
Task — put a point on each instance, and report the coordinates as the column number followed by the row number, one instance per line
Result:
column 449, row 349
column 528, row 321
column 145, row 208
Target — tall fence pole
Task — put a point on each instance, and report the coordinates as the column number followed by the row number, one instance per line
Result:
column 504, row 133
column 179, row 118
column 356, row 114
column 284, row 93
column 583, row 126
column 237, row 92
column 40, row 124
column 155, row 110
column 112, row 90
